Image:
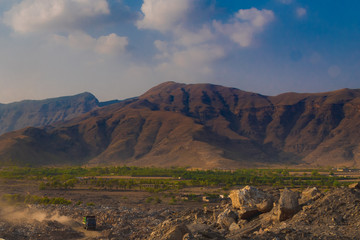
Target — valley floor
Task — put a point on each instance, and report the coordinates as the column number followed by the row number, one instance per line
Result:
column 334, row 214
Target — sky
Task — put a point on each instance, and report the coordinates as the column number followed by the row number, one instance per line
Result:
column 117, row 49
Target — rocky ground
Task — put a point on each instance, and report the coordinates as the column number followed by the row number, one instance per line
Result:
column 249, row 214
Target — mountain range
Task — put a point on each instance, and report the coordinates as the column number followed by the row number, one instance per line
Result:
column 195, row 125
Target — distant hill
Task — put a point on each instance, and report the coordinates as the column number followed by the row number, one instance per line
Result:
column 39, row 113
column 200, row 125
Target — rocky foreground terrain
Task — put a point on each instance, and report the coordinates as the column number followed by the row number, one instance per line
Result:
column 250, row 213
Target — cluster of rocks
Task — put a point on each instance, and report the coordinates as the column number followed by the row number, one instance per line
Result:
column 285, row 214
column 250, row 213
column 237, row 219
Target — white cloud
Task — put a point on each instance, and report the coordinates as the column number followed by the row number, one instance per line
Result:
column 163, row 15
column 194, row 49
column 37, row 15
column 163, row 48
column 301, row 12
column 185, row 37
column 111, row 44
column 193, row 52
column 189, row 55
column 245, row 24
column 237, row 32
column 78, row 40
column 257, row 18
column 63, row 21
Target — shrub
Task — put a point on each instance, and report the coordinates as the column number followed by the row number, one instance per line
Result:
column 172, row 200
column 158, row 200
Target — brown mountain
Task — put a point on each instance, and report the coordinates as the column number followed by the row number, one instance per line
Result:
column 200, row 125
column 39, row 113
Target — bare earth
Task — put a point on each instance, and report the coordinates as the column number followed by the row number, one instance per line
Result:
column 335, row 214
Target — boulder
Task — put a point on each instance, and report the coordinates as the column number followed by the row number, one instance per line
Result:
column 251, row 201
column 176, row 232
column 226, row 218
column 197, row 227
column 234, row 227
column 288, row 204
column 309, row 194
column 354, row 186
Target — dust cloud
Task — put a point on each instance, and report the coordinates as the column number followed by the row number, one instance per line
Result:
column 26, row 214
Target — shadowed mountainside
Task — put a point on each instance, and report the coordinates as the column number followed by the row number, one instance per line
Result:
column 200, row 125
column 39, row 113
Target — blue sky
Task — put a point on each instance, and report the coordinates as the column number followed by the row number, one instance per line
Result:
column 121, row 48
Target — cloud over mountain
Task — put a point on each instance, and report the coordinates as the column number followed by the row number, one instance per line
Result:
column 137, row 44
column 193, row 49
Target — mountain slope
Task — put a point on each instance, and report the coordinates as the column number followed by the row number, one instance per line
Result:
column 37, row 113
column 200, row 125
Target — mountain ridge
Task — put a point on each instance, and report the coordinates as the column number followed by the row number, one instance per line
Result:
column 204, row 126
column 40, row 113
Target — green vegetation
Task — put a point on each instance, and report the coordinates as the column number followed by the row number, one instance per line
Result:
column 66, row 173
column 161, row 179
column 157, row 200
column 33, row 199
column 172, row 200
column 153, row 200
